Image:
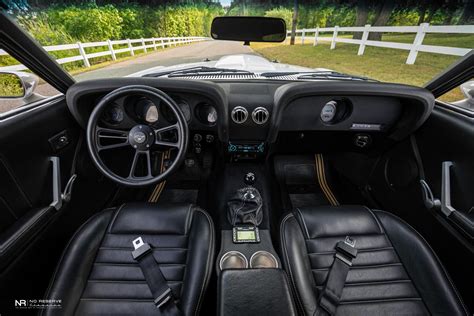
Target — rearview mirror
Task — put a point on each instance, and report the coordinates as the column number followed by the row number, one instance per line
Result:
column 17, row 85
column 248, row 29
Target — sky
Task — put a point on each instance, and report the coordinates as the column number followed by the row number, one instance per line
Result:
column 225, row 3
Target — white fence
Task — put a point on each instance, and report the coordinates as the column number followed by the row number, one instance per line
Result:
column 145, row 44
column 414, row 48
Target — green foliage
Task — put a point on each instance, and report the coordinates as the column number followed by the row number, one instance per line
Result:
column 88, row 23
column 10, row 86
column 284, row 13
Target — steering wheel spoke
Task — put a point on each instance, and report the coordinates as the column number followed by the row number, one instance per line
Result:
column 133, row 168
column 112, row 135
column 159, row 136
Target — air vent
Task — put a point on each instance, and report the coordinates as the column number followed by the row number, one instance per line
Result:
column 260, row 115
column 239, row 114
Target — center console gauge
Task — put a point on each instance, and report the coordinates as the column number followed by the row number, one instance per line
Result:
column 245, row 234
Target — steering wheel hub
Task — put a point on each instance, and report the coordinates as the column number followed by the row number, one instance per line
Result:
column 141, row 137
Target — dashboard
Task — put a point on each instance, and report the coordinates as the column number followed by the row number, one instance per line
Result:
column 250, row 118
column 128, row 111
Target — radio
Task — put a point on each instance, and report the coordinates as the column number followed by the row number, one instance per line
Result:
column 246, row 148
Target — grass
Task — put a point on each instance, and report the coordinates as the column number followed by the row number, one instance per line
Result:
column 382, row 64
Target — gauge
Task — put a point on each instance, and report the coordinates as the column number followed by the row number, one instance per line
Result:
column 184, row 107
column 151, row 115
column 206, row 113
column 146, row 110
column 212, row 115
column 114, row 115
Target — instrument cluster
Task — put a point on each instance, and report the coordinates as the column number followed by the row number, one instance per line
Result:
column 137, row 109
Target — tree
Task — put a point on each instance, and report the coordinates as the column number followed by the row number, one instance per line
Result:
column 294, row 22
column 362, row 15
column 467, row 16
column 422, row 11
column 381, row 17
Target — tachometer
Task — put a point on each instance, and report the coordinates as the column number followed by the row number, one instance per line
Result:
column 146, row 110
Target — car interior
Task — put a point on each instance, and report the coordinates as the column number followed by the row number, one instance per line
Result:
column 187, row 196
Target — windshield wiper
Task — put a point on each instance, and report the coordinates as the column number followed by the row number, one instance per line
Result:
column 327, row 75
column 200, row 71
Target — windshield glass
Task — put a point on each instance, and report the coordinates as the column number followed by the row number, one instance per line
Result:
column 404, row 42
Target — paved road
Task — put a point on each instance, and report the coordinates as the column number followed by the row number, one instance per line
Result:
column 195, row 52
column 184, row 54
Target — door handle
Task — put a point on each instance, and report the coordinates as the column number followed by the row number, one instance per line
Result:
column 60, row 198
column 57, row 199
column 446, row 207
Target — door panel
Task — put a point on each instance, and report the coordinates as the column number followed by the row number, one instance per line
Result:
column 449, row 136
column 26, row 172
column 394, row 186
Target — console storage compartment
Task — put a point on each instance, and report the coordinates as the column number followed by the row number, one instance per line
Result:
column 255, row 292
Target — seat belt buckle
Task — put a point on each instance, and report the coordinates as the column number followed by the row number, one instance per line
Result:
column 141, row 248
column 346, row 250
column 163, row 298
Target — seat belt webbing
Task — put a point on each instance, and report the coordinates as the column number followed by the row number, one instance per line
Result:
column 159, row 288
column 337, row 275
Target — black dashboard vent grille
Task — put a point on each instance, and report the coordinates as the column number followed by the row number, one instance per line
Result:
column 260, row 115
column 239, row 114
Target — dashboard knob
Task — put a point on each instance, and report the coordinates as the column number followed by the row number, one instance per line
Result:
column 328, row 112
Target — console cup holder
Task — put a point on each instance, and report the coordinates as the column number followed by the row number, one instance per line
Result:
column 263, row 259
column 233, row 260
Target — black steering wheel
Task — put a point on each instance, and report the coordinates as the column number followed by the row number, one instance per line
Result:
column 143, row 138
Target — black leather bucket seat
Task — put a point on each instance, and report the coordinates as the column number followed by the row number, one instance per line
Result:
column 97, row 274
column 395, row 271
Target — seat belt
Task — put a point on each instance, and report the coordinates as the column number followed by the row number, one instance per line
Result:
column 160, row 290
column 337, row 275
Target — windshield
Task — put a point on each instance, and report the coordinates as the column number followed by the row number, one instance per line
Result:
column 404, row 42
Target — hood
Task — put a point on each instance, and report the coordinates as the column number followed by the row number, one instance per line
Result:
column 248, row 62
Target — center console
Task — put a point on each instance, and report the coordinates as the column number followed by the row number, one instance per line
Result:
column 250, row 275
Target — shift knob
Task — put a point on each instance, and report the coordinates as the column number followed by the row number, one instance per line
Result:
column 249, row 178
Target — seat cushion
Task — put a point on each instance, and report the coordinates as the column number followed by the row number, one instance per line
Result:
column 395, row 271
column 97, row 274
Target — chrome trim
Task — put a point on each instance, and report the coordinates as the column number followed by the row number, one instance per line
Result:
column 264, row 253
column 243, row 111
column 233, row 253
column 258, row 110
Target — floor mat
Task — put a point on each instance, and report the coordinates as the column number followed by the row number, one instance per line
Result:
column 304, row 181
column 178, row 196
column 307, row 199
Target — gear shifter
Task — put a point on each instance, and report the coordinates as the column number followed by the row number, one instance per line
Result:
column 245, row 207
